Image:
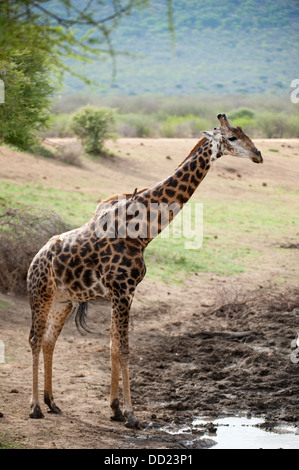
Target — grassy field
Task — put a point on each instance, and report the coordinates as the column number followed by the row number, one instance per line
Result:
column 168, row 258
column 75, row 208
column 243, row 217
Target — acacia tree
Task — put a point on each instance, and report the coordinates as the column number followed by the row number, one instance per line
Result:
column 35, row 39
column 28, row 92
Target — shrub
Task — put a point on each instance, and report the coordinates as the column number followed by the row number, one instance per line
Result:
column 244, row 118
column 169, row 126
column 136, row 125
column 248, row 124
column 241, row 113
column 272, row 125
column 22, row 233
column 69, row 153
column 59, row 126
column 92, row 126
column 184, row 126
column 292, row 129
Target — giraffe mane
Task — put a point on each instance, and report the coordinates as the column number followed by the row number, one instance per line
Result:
column 115, row 197
column 195, row 148
column 128, row 195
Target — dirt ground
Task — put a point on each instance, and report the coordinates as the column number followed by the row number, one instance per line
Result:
column 211, row 346
column 189, row 358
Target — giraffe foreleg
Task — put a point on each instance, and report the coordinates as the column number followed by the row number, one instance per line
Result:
column 114, row 390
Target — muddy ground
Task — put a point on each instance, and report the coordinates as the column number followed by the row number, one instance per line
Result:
column 192, row 354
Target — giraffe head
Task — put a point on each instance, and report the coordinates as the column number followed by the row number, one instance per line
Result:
column 233, row 141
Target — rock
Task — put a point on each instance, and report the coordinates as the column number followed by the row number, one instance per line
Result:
column 202, row 443
column 211, row 428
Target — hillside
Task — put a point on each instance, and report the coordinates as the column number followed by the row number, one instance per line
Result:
column 220, row 47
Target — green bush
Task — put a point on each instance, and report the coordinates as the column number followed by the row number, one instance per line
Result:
column 92, row 125
column 241, row 113
column 292, row 126
column 183, row 126
column 272, row 125
column 136, row 125
column 59, row 126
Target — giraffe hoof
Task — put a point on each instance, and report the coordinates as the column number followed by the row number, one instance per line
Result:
column 118, row 416
column 36, row 413
column 55, row 410
column 132, row 422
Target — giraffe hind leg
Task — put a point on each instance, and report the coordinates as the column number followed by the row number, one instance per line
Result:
column 56, row 319
column 39, row 318
column 36, row 412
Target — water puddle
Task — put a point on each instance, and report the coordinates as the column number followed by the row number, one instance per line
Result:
column 241, row 432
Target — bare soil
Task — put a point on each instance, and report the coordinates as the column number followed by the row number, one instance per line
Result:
column 210, row 346
column 189, row 358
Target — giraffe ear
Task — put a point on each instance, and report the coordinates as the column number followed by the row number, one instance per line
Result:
column 208, row 135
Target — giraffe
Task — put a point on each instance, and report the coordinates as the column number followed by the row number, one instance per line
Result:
column 89, row 263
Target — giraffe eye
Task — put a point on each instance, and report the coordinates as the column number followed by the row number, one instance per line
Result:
column 232, row 138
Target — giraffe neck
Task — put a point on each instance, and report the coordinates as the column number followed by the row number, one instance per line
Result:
column 177, row 189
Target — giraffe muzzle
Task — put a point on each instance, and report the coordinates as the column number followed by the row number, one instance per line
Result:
column 257, row 158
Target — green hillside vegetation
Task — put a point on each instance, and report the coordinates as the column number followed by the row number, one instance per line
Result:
column 235, row 46
column 160, row 116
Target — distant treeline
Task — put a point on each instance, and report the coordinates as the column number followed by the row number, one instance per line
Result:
column 159, row 116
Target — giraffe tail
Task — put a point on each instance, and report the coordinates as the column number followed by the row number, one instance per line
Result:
column 80, row 312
